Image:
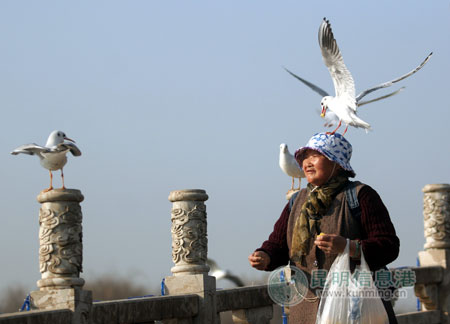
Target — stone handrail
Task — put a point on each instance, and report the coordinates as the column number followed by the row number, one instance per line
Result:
column 242, row 297
column 38, row 317
column 429, row 274
column 144, row 310
column 138, row 310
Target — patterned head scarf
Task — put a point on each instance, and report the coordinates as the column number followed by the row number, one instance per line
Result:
column 335, row 147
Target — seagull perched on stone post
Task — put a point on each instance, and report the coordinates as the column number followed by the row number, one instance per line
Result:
column 52, row 156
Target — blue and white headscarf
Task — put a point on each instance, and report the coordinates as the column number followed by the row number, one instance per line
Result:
column 335, row 147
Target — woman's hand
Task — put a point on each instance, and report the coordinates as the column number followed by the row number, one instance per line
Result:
column 331, row 243
column 259, row 260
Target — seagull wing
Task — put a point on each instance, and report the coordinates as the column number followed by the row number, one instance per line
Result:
column 389, row 83
column 234, row 279
column 342, row 78
column 317, row 89
column 212, row 264
column 30, row 149
column 361, row 103
column 67, row 147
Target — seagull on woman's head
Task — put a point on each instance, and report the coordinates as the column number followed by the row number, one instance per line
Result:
column 53, row 155
column 344, row 104
column 289, row 165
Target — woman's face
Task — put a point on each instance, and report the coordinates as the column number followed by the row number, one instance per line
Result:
column 318, row 169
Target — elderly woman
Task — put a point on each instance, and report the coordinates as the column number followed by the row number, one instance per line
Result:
column 335, row 206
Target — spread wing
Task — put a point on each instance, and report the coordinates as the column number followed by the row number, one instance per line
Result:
column 317, row 89
column 389, row 83
column 30, row 149
column 361, row 103
column 66, row 146
column 344, row 85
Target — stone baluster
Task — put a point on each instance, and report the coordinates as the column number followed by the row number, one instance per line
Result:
column 189, row 253
column 436, row 212
column 61, row 254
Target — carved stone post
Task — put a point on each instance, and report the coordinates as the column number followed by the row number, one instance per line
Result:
column 189, row 241
column 61, row 254
column 189, row 252
column 436, row 212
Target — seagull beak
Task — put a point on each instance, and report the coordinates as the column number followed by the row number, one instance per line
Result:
column 68, row 139
column 323, row 111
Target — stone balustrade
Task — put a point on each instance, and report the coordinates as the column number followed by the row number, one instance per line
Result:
column 192, row 295
column 251, row 303
column 436, row 214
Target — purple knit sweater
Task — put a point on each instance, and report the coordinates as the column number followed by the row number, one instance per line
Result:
column 379, row 241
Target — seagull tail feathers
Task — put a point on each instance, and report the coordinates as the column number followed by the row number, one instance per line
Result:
column 359, row 123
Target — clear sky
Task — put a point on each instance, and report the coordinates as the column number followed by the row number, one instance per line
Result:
column 166, row 95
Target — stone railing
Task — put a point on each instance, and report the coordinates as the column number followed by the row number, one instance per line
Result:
column 191, row 293
column 434, row 290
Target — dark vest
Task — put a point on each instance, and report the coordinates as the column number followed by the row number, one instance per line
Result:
column 339, row 221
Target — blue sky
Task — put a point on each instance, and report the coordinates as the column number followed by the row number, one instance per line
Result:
column 165, row 95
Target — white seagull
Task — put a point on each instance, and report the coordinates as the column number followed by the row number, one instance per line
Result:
column 289, row 165
column 332, row 119
column 215, row 271
column 53, row 155
column 343, row 106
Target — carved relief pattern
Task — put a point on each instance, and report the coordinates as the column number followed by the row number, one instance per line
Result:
column 60, row 236
column 428, row 295
column 189, row 241
column 436, row 212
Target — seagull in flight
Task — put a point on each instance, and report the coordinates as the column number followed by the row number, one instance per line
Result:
column 215, row 271
column 344, row 104
column 289, row 165
column 52, row 156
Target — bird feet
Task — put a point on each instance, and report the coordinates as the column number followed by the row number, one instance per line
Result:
column 332, row 133
column 345, row 131
column 48, row 189
column 290, row 193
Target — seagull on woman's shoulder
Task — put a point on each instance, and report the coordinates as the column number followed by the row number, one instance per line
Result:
column 344, row 104
column 52, row 156
column 289, row 165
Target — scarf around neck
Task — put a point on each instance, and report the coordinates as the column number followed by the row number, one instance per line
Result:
column 307, row 225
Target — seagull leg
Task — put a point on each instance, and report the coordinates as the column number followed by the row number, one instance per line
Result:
column 51, row 182
column 345, row 131
column 62, row 177
column 332, row 133
column 292, row 187
column 299, row 183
